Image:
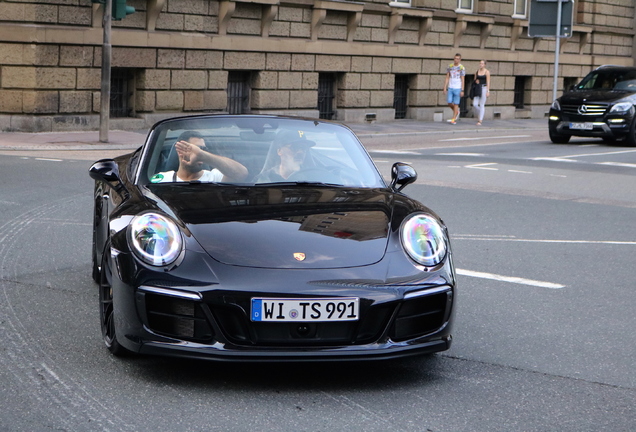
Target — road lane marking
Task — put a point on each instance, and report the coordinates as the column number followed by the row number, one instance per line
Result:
column 618, row 164
column 519, row 240
column 510, row 279
column 461, row 154
column 567, row 158
column 520, row 172
column 483, row 138
column 554, row 159
column 484, row 166
column 48, row 159
column 395, row 152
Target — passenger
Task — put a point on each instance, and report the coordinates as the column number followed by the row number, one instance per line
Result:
column 482, row 78
column 287, row 156
column 190, row 148
column 454, row 86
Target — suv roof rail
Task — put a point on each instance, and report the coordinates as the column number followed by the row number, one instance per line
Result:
column 609, row 65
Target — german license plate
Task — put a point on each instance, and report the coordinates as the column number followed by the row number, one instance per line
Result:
column 582, row 126
column 305, row 310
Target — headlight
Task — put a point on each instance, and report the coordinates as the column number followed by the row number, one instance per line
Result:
column 621, row 107
column 556, row 105
column 424, row 240
column 155, row 239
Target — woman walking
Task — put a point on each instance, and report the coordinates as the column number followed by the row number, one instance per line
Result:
column 482, row 78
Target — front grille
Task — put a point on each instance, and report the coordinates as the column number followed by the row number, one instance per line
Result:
column 178, row 318
column 237, row 327
column 419, row 316
column 584, row 110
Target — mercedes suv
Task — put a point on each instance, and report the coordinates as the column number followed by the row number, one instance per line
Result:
column 601, row 105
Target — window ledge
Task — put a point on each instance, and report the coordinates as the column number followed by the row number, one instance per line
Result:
column 227, row 9
column 462, row 21
column 319, row 13
column 425, row 17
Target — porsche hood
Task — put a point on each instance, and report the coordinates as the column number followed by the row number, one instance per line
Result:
column 283, row 227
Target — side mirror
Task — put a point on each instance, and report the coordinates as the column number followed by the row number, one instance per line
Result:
column 402, row 175
column 107, row 170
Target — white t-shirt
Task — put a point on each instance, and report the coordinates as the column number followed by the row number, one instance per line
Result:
column 456, row 73
column 171, row 176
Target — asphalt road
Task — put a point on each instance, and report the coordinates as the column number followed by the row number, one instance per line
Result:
column 544, row 240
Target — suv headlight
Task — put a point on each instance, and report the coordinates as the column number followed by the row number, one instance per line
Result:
column 155, row 239
column 621, row 107
column 424, row 239
column 556, row 105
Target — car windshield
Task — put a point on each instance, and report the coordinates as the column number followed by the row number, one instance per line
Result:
column 256, row 150
column 610, row 79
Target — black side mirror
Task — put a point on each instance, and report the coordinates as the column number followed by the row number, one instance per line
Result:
column 107, row 170
column 402, row 175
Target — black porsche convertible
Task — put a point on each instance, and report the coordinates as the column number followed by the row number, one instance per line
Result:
column 266, row 238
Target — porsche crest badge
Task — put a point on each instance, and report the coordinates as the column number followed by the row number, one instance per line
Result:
column 299, row 256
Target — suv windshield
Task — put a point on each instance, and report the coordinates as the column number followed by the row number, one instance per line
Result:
column 611, row 79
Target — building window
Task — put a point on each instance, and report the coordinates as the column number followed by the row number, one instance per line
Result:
column 520, row 90
column 400, row 95
column 402, row 3
column 464, row 6
column 122, row 85
column 238, row 92
column 326, row 95
column 521, row 9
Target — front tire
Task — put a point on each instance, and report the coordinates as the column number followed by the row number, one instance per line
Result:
column 630, row 139
column 106, row 307
column 558, row 138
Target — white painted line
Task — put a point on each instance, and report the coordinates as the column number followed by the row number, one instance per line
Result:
column 483, row 166
column 559, row 158
column 49, row 160
column 597, row 242
column 394, row 152
column 483, row 138
column 498, row 236
column 460, row 154
column 602, row 154
column 521, row 172
column 558, row 175
column 554, row 159
column 618, row 164
column 459, row 139
column 510, row 279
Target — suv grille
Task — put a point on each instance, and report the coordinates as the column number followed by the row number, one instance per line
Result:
column 586, row 110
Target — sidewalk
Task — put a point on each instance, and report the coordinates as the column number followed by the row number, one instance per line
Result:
column 123, row 140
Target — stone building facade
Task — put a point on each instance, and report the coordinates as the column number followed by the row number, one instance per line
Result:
column 345, row 60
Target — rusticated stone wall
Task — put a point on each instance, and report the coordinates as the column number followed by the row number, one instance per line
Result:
column 180, row 53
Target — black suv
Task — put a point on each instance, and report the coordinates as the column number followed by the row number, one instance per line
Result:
column 601, row 105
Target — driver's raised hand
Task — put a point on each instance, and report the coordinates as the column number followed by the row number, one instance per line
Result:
column 188, row 151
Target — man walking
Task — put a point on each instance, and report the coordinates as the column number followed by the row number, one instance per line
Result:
column 454, row 86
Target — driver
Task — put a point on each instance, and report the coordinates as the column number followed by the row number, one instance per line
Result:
column 291, row 148
column 190, row 148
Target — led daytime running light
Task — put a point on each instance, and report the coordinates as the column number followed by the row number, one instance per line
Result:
column 424, row 240
column 155, row 239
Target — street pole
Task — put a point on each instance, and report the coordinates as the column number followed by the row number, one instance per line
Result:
column 104, row 111
column 558, row 49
